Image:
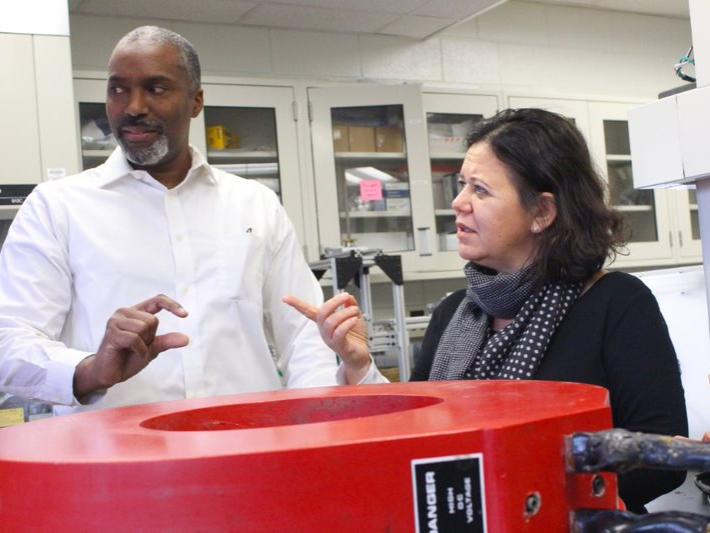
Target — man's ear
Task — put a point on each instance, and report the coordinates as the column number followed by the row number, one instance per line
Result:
column 545, row 212
column 198, row 102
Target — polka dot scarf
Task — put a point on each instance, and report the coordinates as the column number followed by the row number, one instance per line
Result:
column 469, row 350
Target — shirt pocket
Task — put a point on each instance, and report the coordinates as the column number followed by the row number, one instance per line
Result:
column 241, row 266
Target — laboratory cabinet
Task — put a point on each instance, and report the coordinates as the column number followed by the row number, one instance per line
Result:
column 245, row 130
column 386, row 160
column 661, row 224
column 371, row 171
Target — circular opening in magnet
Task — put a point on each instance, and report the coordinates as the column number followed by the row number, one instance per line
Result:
column 286, row 412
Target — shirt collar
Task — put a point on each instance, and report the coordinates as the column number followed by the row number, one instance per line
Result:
column 117, row 167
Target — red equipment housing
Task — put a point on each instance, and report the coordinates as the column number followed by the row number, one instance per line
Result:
column 435, row 456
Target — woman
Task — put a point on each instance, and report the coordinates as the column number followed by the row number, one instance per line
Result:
column 534, row 227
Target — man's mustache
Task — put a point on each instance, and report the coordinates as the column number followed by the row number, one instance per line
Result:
column 142, row 123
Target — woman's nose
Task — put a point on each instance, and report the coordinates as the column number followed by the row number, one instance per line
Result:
column 462, row 201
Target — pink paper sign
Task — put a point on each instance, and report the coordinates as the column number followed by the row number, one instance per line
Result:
column 370, row 190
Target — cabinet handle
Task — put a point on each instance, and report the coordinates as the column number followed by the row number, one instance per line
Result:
column 670, row 238
column 424, row 246
column 680, row 238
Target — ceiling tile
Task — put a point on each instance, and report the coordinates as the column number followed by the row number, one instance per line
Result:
column 204, row 11
column 390, row 6
column 417, row 27
column 313, row 18
column 302, row 53
column 455, row 9
column 667, row 8
column 673, row 8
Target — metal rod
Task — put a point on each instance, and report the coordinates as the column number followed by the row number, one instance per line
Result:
column 402, row 335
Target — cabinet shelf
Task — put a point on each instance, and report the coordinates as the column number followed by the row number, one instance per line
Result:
column 242, row 154
column 444, row 212
column 370, row 155
column 633, row 208
column 448, row 155
column 619, row 157
column 376, row 214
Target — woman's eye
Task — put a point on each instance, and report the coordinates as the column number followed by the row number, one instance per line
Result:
column 113, row 89
column 460, row 185
column 480, row 191
column 158, row 90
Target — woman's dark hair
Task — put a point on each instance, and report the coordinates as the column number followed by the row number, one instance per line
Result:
column 545, row 152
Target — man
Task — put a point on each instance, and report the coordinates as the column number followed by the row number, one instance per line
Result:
column 155, row 220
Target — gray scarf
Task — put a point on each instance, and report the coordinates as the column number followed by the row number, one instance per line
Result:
column 466, row 349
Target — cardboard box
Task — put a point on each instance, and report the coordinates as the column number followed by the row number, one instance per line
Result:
column 361, row 138
column 389, row 139
column 341, row 142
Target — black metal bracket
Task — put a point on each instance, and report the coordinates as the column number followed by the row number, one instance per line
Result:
column 391, row 265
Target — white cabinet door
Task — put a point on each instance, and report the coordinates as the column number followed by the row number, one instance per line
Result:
column 647, row 213
column 450, row 118
column 21, row 165
column 372, row 181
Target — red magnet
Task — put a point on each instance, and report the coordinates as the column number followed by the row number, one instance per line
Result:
column 436, row 456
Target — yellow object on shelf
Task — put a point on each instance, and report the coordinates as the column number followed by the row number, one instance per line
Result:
column 11, row 417
column 220, row 138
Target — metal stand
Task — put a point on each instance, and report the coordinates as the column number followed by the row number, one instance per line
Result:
column 348, row 264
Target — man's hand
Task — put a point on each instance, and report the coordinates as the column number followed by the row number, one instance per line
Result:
column 128, row 346
column 342, row 328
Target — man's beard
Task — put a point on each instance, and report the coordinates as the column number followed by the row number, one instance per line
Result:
column 151, row 155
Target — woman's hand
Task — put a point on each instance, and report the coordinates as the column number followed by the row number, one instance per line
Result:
column 343, row 329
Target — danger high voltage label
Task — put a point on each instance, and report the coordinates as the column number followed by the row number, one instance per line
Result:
column 449, row 494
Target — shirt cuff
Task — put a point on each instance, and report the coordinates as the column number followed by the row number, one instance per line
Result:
column 372, row 377
column 60, row 377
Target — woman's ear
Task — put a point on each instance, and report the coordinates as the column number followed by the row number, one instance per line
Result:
column 545, row 212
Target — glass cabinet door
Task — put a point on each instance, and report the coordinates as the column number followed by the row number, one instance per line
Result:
column 370, row 170
column 450, row 118
column 97, row 141
column 688, row 233
column 242, row 141
column 250, row 131
column 374, row 203
column 646, row 212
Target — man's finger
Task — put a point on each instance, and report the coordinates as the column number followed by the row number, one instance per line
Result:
column 158, row 303
column 306, row 309
column 168, row 341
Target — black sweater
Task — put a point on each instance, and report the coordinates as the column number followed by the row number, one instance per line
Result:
column 614, row 336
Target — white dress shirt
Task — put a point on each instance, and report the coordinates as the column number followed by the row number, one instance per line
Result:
column 222, row 246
